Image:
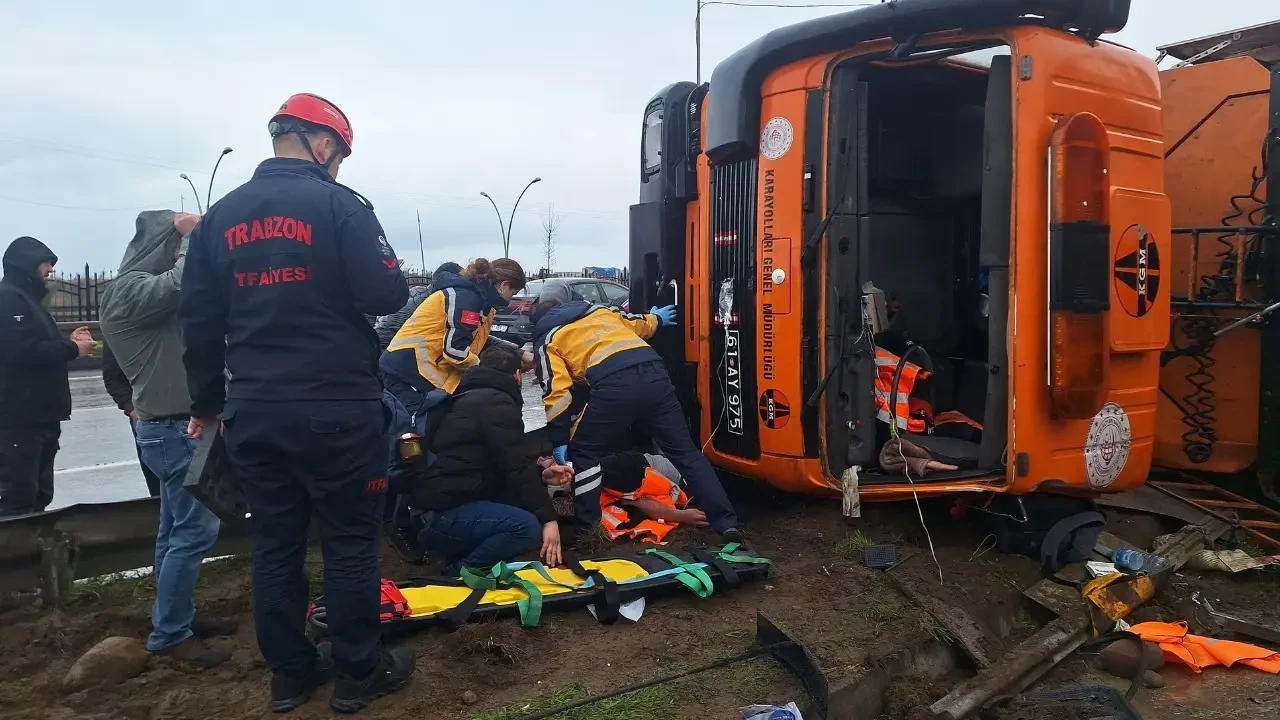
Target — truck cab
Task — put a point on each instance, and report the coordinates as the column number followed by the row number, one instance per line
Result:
column 925, row 226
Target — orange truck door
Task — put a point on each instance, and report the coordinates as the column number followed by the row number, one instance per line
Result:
column 1085, row 367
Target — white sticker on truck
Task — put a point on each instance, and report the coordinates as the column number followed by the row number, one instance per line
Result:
column 1106, row 447
column 776, row 138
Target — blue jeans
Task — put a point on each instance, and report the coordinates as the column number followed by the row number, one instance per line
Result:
column 481, row 534
column 188, row 530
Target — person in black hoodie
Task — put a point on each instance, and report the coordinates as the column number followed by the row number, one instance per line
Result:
column 484, row 496
column 35, row 395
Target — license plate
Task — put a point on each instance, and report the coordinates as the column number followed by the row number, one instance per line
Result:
column 499, row 328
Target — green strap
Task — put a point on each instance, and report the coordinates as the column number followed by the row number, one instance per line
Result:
column 727, row 554
column 503, row 577
column 693, row 577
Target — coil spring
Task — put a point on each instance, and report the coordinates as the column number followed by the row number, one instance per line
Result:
column 1200, row 404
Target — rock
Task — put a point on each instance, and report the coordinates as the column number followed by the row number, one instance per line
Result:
column 113, row 660
column 1152, row 679
column 470, row 698
column 1120, row 658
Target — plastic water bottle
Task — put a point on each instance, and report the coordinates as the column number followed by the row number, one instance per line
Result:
column 1138, row 561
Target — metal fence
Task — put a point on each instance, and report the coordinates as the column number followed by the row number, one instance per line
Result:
column 76, row 298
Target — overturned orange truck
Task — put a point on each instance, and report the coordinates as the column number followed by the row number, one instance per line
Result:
column 1219, row 408
column 944, row 221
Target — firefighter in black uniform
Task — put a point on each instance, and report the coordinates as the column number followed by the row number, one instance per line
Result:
column 280, row 276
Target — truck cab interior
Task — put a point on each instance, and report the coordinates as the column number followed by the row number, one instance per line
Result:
column 919, row 161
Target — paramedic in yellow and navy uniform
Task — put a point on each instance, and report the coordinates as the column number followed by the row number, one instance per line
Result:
column 577, row 343
column 444, row 336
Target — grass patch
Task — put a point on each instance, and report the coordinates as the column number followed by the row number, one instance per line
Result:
column 851, row 547
column 640, row 705
column 934, row 629
column 595, row 542
column 109, row 590
column 878, row 613
column 753, row 679
column 122, row 588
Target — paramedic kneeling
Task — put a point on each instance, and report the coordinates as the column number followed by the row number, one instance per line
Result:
column 280, row 275
column 575, row 343
column 483, row 496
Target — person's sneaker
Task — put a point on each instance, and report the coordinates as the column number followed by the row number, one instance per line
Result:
column 205, row 628
column 194, row 653
column 351, row 695
column 289, row 693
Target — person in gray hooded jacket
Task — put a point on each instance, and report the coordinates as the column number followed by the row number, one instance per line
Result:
column 139, row 317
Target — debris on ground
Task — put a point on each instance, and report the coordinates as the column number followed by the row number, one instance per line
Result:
column 772, row 712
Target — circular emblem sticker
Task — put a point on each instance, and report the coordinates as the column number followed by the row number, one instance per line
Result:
column 774, row 409
column 1137, row 271
column 776, row 139
column 1106, row 447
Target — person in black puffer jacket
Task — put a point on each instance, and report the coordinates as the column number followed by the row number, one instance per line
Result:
column 484, row 496
column 35, row 395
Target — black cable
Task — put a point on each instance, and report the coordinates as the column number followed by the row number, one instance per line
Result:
column 723, row 662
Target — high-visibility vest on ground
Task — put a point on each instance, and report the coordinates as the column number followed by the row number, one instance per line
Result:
column 655, row 486
column 886, row 365
column 1197, row 652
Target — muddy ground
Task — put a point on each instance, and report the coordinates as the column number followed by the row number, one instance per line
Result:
column 851, row 619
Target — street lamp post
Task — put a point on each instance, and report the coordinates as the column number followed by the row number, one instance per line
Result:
column 506, row 230
column 208, row 198
column 193, row 192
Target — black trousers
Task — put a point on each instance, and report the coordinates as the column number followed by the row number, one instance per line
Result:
column 293, row 460
column 26, row 468
column 642, row 398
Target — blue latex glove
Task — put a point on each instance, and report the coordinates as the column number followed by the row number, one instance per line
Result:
column 666, row 314
column 561, row 454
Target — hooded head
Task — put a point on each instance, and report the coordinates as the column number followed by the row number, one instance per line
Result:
column 28, row 262
column 155, row 240
column 448, row 267
column 553, row 294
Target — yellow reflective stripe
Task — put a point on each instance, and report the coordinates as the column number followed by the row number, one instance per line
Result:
column 423, row 357
column 601, row 353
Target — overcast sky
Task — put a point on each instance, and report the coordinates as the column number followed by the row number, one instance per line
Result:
column 102, row 104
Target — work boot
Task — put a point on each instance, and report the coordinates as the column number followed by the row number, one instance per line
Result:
column 289, row 693
column 734, row 535
column 391, row 674
column 195, row 654
column 405, row 544
column 205, row 628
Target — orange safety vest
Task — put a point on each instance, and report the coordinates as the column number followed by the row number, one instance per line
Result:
column 886, row 365
column 655, row 486
column 1198, row 652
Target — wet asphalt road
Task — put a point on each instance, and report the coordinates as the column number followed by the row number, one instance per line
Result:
column 98, row 463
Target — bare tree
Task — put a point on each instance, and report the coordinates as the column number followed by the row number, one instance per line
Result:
column 550, row 228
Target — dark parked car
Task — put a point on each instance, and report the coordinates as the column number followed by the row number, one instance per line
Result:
column 514, row 323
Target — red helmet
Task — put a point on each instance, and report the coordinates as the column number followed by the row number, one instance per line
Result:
column 311, row 110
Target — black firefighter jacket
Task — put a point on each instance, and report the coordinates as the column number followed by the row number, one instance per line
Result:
column 280, row 274
column 34, row 389
column 481, row 451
